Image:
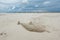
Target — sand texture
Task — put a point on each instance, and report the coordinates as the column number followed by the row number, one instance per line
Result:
column 11, row 27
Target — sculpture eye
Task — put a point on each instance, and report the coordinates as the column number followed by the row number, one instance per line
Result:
column 18, row 22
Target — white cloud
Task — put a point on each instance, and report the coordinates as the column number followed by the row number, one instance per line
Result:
column 36, row 5
column 24, row 1
column 46, row 2
column 9, row 1
column 13, row 7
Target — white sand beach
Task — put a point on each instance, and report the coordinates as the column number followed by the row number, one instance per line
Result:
column 10, row 30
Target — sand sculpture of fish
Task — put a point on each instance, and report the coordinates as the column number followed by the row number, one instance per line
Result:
column 33, row 27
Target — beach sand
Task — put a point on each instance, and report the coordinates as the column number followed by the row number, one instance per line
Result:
column 9, row 30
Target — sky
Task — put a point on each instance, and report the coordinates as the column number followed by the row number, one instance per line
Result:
column 17, row 6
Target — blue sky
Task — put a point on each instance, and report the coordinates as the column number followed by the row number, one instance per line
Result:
column 14, row 6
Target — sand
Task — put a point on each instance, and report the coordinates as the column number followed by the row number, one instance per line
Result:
column 9, row 30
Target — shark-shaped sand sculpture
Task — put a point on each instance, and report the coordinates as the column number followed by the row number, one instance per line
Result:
column 33, row 28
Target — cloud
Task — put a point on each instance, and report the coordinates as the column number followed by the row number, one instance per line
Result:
column 9, row 1
column 24, row 1
column 46, row 2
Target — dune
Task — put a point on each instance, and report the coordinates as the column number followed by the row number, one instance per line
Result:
column 10, row 30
